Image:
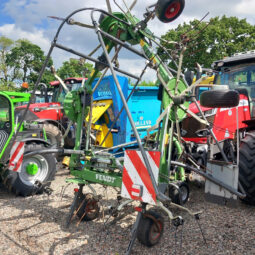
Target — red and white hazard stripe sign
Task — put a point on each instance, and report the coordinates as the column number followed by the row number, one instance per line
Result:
column 16, row 156
column 136, row 181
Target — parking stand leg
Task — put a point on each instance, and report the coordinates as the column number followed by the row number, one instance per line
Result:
column 134, row 233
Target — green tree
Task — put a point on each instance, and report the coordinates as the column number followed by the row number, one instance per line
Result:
column 5, row 81
column 28, row 59
column 75, row 68
column 222, row 37
column 147, row 84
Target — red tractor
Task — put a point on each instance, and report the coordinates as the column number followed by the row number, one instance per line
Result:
column 49, row 112
column 233, row 128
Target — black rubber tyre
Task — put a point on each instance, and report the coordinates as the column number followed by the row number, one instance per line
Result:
column 219, row 98
column 21, row 183
column 54, row 135
column 148, row 233
column 169, row 10
column 247, row 167
column 177, row 198
column 87, row 206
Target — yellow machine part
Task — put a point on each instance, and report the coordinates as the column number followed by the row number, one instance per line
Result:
column 99, row 110
column 66, row 161
column 209, row 80
column 102, row 130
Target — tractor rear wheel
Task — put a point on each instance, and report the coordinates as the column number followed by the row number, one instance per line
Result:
column 54, row 135
column 39, row 168
column 247, row 167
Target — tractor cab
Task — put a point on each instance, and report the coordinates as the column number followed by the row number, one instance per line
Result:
column 58, row 94
column 6, row 116
column 7, row 124
column 238, row 72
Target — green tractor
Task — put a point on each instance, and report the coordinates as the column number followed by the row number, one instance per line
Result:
column 22, row 174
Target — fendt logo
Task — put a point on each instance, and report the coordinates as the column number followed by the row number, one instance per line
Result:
column 105, row 178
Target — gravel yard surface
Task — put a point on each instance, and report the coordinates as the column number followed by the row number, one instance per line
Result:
column 37, row 226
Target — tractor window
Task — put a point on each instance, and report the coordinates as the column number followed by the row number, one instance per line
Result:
column 59, row 93
column 239, row 76
column 5, row 114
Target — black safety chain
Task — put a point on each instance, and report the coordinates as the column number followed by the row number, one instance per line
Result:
column 197, row 218
column 178, row 222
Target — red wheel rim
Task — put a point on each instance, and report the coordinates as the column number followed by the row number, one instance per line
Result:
column 155, row 232
column 91, row 207
column 172, row 10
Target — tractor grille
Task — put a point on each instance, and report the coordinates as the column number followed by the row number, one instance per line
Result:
column 3, row 139
column 191, row 125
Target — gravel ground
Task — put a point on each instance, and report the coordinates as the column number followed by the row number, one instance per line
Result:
column 37, row 226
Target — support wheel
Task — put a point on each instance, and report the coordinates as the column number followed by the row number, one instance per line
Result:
column 150, row 228
column 169, row 10
column 181, row 198
column 87, row 206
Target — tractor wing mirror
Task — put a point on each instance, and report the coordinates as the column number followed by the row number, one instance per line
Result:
column 219, row 98
column 189, row 76
column 169, row 10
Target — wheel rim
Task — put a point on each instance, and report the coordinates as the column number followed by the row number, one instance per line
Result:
column 156, row 230
column 91, row 208
column 32, row 169
column 39, row 172
column 172, row 10
column 184, row 193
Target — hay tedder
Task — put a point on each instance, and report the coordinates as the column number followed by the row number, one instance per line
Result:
column 152, row 172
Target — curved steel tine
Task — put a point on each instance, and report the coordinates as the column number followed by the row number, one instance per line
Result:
column 109, row 6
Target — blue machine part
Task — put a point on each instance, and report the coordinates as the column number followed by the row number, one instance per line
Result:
column 145, row 109
column 143, row 104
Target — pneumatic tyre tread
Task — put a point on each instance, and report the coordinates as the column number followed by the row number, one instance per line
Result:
column 53, row 134
column 247, row 167
column 147, row 226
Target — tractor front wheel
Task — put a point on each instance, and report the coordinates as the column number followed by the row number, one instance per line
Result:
column 38, row 168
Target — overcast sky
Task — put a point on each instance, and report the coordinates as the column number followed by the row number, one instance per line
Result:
column 28, row 19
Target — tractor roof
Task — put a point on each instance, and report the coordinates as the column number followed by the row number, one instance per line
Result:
column 68, row 80
column 239, row 58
